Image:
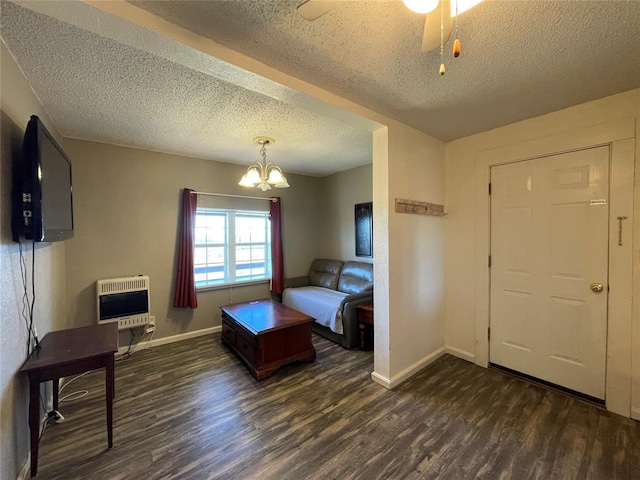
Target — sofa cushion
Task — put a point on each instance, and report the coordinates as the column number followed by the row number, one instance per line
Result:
column 325, row 273
column 356, row 277
column 322, row 304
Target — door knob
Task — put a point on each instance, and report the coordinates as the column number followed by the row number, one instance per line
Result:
column 596, row 287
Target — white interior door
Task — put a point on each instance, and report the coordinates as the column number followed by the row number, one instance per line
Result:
column 549, row 244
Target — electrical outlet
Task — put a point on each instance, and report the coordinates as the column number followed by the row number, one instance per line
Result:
column 152, row 320
column 133, row 321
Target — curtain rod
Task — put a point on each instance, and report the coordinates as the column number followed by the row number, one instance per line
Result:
column 273, row 199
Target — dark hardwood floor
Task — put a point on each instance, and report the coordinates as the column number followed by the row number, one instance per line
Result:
column 190, row 410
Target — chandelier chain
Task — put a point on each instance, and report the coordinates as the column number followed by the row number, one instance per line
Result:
column 263, row 152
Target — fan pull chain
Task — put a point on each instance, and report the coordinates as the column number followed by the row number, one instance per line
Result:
column 442, row 69
column 456, row 48
column 456, row 44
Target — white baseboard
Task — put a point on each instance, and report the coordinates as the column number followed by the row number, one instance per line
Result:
column 380, row 380
column 416, row 367
column 25, row 473
column 635, row 413
column 174, row 338
column 407, row 372
column 464, row 355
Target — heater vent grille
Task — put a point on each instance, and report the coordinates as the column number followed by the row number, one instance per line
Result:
column 123, row 285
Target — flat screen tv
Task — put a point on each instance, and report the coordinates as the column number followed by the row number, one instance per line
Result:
column 43, row 198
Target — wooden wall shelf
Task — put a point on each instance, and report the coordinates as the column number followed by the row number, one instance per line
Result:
column 419, row 208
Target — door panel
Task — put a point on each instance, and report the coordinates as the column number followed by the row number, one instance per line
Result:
column 548, row 244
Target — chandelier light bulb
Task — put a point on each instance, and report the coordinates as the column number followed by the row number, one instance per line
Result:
column 283, row 183
column 253, row 176
column 275, row 176
column 244, row 182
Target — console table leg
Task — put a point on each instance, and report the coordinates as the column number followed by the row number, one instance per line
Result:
column 55, row 385
column 34, row 422
column 110, row 390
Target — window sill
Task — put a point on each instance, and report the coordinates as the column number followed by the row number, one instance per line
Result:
column 221, row 286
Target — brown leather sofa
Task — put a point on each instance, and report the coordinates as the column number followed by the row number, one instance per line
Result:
column 353, row 279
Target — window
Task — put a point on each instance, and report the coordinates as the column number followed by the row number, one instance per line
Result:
column 231, row 246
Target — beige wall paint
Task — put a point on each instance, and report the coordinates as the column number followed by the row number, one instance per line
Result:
column 416, row 253
column 18, row 104
column 381, row 325
column 409, row 254
column 461, row 232
column 343, row 191
column 127, row 205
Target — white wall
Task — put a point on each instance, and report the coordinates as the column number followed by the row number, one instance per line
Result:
column 462, row 156
column 18, row 104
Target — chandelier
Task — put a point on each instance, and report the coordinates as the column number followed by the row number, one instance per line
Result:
column 263, row 174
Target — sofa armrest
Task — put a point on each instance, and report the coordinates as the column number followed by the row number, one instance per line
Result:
column 356, row 299
column 296, row 282
column 351, row 335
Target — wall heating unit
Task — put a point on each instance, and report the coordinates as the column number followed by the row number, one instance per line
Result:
column 124, row 300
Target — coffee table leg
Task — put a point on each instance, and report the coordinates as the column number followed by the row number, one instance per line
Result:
column 110, row 381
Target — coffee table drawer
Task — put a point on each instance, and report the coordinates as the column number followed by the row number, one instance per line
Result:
column 228, row 333
column 245, row 348
column 239, row 338
column 243, row 334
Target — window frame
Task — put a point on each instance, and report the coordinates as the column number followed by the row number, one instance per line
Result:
column 230, row 246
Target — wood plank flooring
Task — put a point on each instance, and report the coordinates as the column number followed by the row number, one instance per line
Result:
column 190, row 410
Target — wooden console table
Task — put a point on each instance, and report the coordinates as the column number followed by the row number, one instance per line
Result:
column 365, row 317
column 65, row 353
column 266, row 335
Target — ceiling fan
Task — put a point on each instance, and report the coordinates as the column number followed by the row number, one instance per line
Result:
column 313, row 9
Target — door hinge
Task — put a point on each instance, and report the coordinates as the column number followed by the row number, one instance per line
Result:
column 489, row 261
column 489, row 333
column 489, row 188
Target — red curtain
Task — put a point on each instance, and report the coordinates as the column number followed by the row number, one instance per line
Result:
column 185, row 294
column 277, row 263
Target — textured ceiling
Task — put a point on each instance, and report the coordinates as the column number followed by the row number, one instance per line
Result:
column 105, row 79
column 168, row 98
column 519, row 58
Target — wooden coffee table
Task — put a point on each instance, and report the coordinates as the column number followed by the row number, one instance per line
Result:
column 266, row 335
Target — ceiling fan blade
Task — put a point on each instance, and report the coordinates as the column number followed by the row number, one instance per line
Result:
column 313, row 9
column 431, row 35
